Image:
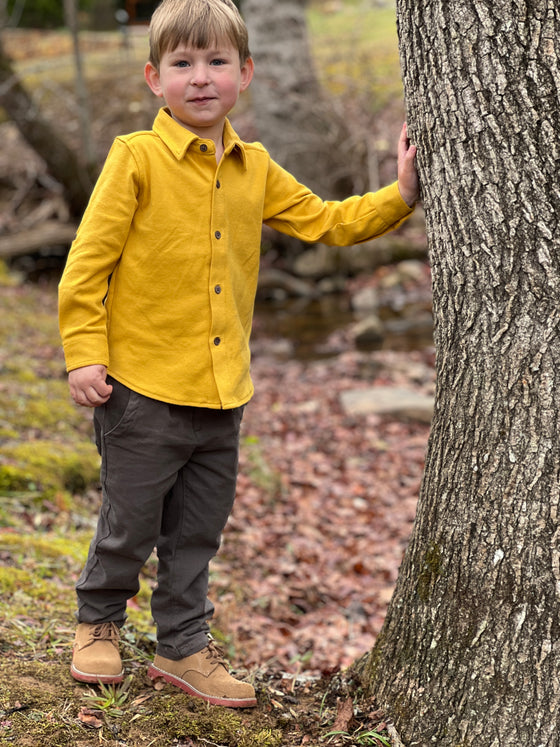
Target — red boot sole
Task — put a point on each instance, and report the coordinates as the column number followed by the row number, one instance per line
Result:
column 106, row 679
column 154, row 673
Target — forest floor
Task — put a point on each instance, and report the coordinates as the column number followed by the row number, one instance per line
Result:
column 309, row 559
column 310, row 556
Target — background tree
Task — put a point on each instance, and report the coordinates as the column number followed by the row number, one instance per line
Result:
column 294, row 118
column 62, row 161
column 470, row 650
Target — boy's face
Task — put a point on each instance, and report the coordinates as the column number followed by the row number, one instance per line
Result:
column 200, row 86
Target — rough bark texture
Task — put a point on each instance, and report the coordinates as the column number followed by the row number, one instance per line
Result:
column 63, row 164
column 470, row 651
column 294, row 119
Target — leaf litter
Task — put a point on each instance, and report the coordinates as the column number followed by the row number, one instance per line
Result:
column 309, row 558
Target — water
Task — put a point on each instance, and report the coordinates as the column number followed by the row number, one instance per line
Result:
column 310, row 329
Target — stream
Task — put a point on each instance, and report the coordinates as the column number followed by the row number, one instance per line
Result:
column 312, row 329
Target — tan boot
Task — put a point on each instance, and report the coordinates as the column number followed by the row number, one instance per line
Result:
column 205, row 675
column 96, row 655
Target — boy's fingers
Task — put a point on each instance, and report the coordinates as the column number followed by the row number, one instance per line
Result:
column 92, row 395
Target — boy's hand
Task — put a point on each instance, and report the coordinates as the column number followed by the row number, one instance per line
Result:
column 407, row 174
column 88, row 385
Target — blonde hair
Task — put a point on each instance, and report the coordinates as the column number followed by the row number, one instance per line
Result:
column 196, row 23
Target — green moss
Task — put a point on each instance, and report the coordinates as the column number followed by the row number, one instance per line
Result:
column 39, row 548
column 47, row 466
column 30, row 402
column 7, row 279
column 185, row 718
column 13, row 479
column 28, row 586
column 430, row 572
column 259, row 469
column 40, row 704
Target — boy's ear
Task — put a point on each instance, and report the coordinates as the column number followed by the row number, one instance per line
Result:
column 247, row 70
column 152, row 79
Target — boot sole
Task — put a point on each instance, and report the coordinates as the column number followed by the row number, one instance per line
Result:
column 154, row 673
column 106, row 679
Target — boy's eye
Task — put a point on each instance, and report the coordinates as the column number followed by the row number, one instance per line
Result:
column 218, row 62
column 181, row 63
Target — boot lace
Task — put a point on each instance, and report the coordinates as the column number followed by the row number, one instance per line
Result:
column 107, row 631
column 214, row 652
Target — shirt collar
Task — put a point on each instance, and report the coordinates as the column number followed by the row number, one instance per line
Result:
column 178, row 139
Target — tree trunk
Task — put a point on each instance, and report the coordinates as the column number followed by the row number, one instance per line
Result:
column 84, row 113
column 294, row 118
column 470, row 650
column 64, row 165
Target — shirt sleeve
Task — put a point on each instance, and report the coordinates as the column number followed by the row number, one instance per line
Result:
column 292, row 208
column 93, row 256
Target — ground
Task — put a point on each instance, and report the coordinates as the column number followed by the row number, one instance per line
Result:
column 309, row 558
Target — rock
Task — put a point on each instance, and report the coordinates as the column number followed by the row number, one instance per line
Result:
column 368, row 330
column 320, row 260
column 410, row 270
column 279, row 280
column 395, row 401
column 420, row 324
column 317, row 261
column 365, row 299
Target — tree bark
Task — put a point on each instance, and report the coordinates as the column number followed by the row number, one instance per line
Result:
column 64, row 165
column 470, row 650
column 84, row 113
column 295, row 119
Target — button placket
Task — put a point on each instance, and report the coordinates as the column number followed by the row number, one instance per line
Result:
column 218, row 261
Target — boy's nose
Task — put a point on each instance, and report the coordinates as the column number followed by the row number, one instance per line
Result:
column 199, row 75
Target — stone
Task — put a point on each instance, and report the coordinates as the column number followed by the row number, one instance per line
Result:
column 385, row 400
column 368, row 330
column 366, row 299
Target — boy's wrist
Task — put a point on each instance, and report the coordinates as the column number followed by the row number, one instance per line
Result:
column 410, row 197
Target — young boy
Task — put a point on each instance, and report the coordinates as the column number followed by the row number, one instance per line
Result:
column 156, row 305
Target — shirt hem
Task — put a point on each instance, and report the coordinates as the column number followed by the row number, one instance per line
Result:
column 160, row 397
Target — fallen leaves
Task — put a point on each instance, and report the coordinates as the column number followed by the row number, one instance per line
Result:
column 324, row 507
column 91, row 718
column 324, row 510
column 344, row 716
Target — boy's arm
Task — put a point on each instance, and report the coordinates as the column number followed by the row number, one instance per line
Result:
column 92, row 259
column 292, row 208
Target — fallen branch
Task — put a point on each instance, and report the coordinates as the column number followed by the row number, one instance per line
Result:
column 46, row 234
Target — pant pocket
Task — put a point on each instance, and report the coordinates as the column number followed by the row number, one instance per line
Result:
column 115, row 408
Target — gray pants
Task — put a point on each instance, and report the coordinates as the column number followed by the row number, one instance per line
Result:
column 168, row 475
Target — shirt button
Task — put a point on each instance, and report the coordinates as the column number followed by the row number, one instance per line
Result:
column 218, row 235
column 217, row 289
column 218, row 185
column 204, row 147
column 217, row 341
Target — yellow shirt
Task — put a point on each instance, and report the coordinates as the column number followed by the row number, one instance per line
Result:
column 161, row 279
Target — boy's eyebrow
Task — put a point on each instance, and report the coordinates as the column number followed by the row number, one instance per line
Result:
column 210, row 50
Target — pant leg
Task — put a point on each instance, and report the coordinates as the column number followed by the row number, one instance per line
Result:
column 141, row 458
column 195, row 513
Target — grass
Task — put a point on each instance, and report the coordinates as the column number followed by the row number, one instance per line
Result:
column 356, row 51
column 47, row 452
column 360, row 737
